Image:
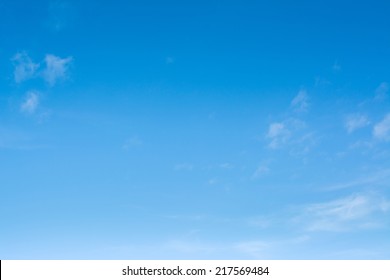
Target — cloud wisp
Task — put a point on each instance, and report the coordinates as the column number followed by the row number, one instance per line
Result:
column 382, row 91
column 56, row 68
column 382, row 129
column 355, row 212
column 368, row 179
column 300, row 103
column 31, row 103
column 292, row 132
column 355, row 122
column 278, row 134
column 260, row 171
column 25, row 68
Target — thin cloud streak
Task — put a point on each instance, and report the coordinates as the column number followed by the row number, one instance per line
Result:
column 369, row 179
column 360, row 211
column 355, row 122
column 300, row 103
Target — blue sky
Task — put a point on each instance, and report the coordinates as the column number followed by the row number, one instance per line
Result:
column 194, row 130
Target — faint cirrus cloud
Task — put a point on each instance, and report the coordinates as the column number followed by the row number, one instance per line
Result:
column 359, row 211
column 51, row 70
column 25, row 68
column 381, row 91
column 300, row 102
column 382, row 129
column 30, row 103
column 356, row 121
column 56, row 68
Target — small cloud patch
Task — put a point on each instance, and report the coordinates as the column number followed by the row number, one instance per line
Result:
column 300, row 103
column 356, row 121
column 25, row 68
column 56, row 68
column 30, row 103
column 382, row 129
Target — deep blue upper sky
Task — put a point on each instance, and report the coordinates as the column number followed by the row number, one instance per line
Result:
column 194, row 129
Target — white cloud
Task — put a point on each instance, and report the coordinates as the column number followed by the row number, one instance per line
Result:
column 56, row 68
column 381, row 91
column 382, row 129
column 358, row 211
column 261, row 171
column 278, row 134
column 31, row 102
column 290, row 133
column 25, row 68
column 378, row 178
column 300, row 102
column 356, row 121
column 276, row 129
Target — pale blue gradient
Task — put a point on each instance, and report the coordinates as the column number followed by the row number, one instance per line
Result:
column 194, row 130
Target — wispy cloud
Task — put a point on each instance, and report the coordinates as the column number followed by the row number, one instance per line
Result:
column 382, row 129
column 31, row 103
column 289, row 131
column 321, row 82
column 292, row 132
column 25, row 68
column 300, row 103
column 356, row 121
column 278, row 134
column 367, row 179
column 355, row 212
column 56, row 68
column 260, row 171
column 382, row 91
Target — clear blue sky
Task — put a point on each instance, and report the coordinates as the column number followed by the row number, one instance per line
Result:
column 194, row 129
